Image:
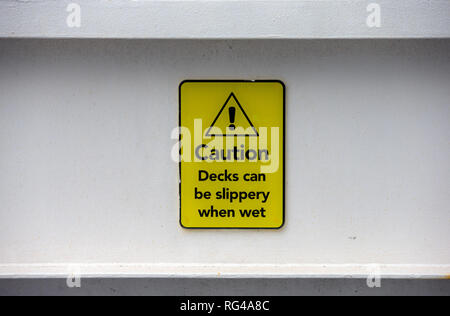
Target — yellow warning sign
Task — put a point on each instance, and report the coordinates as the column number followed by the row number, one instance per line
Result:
column 232, row 154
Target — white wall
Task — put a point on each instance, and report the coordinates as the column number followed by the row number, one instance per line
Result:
column 86, row 175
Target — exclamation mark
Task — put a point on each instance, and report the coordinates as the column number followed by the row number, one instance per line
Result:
column 232, row 113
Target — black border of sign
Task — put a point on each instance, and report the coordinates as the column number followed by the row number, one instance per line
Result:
column 284, row 151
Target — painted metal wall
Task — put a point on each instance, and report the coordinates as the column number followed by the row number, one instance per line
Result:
column 86, row 175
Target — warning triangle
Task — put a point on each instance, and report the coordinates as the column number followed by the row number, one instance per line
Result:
column 232, row 121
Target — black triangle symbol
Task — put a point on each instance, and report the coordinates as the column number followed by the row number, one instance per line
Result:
column 232, row 95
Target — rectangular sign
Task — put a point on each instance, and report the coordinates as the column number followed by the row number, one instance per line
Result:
column 232, row 154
